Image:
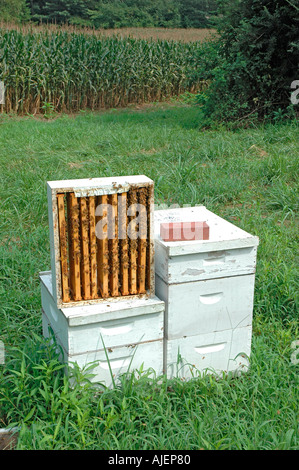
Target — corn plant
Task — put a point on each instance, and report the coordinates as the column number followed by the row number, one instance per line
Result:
column 74, row 71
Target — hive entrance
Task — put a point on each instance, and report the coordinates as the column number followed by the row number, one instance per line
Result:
column 104, row 244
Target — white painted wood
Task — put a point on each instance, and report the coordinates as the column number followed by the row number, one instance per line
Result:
column 230, row 251
column 110, row 183
column 56, row 321
column 223, row 234
column 204, row 265
column 132, row 357
column 104, row 311
column 54, row 241
column 203, row 307
column 82, row 339
column 102, row 327
column 208, row 289
column 9, row 430
column 143, row 356
column 216, row 353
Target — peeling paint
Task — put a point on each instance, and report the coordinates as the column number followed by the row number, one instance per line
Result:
column 193, row 272
column 114, row 189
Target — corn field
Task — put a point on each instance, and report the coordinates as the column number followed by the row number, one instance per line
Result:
column 73, row 71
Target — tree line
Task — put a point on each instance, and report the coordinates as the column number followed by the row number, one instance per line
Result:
column 112, row 13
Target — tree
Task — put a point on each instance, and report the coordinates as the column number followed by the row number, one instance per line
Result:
column 14, row 10
column 58, row 11
column 124, row 13
column 259, row 50
column 195, row 13
column 128, row 13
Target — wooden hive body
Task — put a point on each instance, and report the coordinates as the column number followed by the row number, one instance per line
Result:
column 116, row 337
column 101, row 239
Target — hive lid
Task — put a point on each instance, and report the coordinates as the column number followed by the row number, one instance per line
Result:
column 223, row 234
column 104, row 311
column 98, row 186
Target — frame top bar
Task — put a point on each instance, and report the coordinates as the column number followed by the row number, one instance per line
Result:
column 93, row 183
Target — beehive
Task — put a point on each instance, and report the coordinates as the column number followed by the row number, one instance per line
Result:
column 101, row 239
column 208, row 289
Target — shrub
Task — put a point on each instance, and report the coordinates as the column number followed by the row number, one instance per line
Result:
column 260, row 52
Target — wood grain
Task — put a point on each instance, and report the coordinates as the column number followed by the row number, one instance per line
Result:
column 74, row 246
column 113, row 245
column 63, row 248
column 133, row 243
column 102, row 247
column 93, row 248
column 124, row 259
column 142, row 242
column 85, row 261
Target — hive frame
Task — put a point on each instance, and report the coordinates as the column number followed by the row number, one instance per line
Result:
column 95, row 187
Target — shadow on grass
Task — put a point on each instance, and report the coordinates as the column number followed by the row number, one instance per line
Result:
column 185, row 117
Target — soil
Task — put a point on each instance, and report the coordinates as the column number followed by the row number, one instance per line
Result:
column 8, row 440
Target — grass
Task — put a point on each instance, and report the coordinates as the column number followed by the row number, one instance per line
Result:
column 249, row 177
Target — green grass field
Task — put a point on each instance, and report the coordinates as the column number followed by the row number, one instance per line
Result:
column 249, row 177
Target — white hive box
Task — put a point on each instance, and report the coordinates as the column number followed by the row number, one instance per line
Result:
column 202, row 307
column 229, row 251
column 217, row 352
column 129, row 331
column 208, row 289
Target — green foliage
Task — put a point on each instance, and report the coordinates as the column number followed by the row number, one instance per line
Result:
column 260, row 53
column 14, row 10
column 158, row 13
column 118, row 14
column 58, row 11
column 78, row 71
column 197, row 13
column 113, row 13
column 48, row 109
column 57, row 407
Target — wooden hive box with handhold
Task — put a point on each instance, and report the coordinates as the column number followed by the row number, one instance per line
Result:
column 114, row 336
column 101, row 239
